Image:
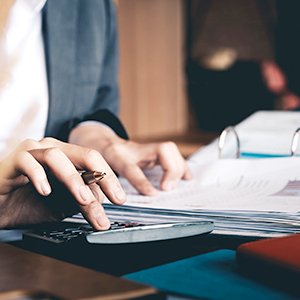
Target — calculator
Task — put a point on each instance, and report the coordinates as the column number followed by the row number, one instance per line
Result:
column 119, row 232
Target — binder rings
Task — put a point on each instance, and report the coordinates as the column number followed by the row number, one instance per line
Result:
column 224, row 133
column 264, row 134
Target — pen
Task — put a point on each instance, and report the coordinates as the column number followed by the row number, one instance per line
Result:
column 90, row 177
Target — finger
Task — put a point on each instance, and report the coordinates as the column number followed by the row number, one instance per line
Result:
column 97, row 192
column 63, row 169
column 95, row 214
column 173, row 164
column 188, row 175
column 110, row 184
column 29, row 166
column 170, row 182
column 139, row 181
column 88, row 159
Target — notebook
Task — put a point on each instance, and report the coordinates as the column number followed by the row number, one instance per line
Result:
column 275, row 260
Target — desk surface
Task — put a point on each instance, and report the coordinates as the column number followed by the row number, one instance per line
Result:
column 66, row 280
column 21, row 270
column 118, row 260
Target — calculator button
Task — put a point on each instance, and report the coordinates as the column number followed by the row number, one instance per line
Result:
column 117, row 226
column 131, row 224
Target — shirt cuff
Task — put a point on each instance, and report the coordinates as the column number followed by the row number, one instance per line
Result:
column 96, row 123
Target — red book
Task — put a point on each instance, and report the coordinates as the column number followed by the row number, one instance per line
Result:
column 275, row 260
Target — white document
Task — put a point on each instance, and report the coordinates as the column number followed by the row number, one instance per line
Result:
column 269, row 185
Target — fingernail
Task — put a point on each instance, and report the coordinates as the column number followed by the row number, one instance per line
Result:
column 151, row 191
column 103, row 221
column 169, row 185
column 45, row 187
column 85, row 194
column 119, row 194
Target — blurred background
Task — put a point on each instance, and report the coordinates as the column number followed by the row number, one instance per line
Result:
column 189, row 68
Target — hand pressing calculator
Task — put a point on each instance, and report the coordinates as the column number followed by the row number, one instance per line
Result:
column 119, row 233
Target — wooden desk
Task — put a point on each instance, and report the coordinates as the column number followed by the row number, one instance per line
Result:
column 58, row 275
column 21, row 270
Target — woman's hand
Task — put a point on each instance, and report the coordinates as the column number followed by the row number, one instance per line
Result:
column 128, row 158
column 27, row 196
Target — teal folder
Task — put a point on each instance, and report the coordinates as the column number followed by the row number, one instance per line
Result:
column 210, row 276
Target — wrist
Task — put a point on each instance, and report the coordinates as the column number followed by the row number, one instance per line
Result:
column 94, row 136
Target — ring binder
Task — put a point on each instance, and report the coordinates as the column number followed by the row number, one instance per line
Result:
column 295, row 142
column 222, row 139
column 228, row 129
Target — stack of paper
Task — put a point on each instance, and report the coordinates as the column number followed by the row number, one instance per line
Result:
column 243, row 197
column 247, row 197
